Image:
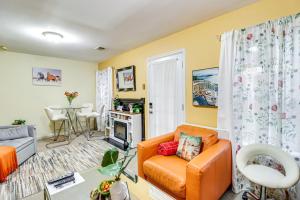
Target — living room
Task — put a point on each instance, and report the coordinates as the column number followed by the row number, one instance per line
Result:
column 150, row 100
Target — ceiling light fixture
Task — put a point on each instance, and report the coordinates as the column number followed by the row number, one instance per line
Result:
column 3, row 48
column 53, row 36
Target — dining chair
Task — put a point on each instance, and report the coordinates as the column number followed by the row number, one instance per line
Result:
column 56, row 115
column 87, row 114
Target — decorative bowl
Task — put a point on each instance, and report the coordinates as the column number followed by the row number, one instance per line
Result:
column 105, row 186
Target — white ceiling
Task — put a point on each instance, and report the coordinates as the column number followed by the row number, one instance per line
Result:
column 117, row 25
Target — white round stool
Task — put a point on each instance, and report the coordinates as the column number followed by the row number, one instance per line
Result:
column 264, row 176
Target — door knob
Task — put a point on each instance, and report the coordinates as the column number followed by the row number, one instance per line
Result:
column 150, row 107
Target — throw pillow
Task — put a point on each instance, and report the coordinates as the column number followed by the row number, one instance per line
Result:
column 13, row 133
column 188, row 147
column 168, row 148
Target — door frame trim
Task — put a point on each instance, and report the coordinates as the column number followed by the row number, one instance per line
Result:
column 157, row 57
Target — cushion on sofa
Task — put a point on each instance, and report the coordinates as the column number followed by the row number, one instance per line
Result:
column 19, row 143
column 209, row 137
column 168, row 172
column 167, row 148
column 13, row 133
column 189, row 146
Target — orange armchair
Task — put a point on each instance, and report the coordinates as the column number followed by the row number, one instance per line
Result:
column 206, row 177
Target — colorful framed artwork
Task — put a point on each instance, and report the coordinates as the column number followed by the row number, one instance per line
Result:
column 205, row 87
column 46, row 76
column 126, row 78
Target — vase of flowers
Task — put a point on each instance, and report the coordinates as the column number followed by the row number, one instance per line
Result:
column 71, row 96
column 113, row 166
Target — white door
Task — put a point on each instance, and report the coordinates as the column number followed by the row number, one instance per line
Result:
column 166, row 93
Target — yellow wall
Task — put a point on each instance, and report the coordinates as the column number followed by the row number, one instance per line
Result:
column 202, row 50
column 20, row 99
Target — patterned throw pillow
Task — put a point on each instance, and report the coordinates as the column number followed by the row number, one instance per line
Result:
column 189, row 146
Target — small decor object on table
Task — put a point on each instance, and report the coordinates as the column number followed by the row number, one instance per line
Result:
column 112, row 166
column 126, row 78
column 205, row 87
column 63, row 182
column 71, row 96
column 19, row 122
column 137, row 108
column 104, row 187
column 130, row 106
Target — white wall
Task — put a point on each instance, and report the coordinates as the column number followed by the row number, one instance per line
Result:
column 20, row 99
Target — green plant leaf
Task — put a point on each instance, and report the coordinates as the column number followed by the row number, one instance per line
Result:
column 110, row 157
column 111, row 170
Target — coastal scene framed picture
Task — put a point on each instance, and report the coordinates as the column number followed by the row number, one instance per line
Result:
column 205, row 87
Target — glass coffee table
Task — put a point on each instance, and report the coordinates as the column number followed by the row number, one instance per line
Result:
column 142, row 190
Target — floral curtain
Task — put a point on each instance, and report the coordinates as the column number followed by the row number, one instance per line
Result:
column 264, row 107
column 104, row 93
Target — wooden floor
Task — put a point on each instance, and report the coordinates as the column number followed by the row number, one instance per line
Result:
column 229, row 195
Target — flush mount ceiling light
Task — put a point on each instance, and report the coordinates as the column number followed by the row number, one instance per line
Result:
column 3, row 48
column 53, row 36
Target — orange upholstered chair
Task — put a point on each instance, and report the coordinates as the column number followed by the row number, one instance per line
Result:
column 206, row 177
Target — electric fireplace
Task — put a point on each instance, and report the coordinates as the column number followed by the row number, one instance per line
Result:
column 120, row 130
column 126, row 128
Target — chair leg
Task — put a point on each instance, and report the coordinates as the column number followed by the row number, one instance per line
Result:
column 248, row 195
column 263, row 193
column 54, row 131
column 88, row 128
column 66, row 140
column 90, row 134
column 61, row 125
column 69, row 130
column 76, row 122
column 64, row 127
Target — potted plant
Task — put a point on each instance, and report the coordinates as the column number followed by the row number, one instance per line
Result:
column 116, row 102
column 114, row 166
column 137, row 108
column 19, row 122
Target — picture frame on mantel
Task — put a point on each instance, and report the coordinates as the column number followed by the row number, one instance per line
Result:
column 126, row 79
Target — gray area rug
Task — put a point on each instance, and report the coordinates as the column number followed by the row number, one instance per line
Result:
column 31, row 175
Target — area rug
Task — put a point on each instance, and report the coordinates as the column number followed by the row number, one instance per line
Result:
column 31, row 175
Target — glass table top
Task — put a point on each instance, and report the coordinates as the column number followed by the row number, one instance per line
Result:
column 92, row 177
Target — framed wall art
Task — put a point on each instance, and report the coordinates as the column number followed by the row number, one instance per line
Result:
column 126, row 79
column 46, row 76
column 205, row 87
